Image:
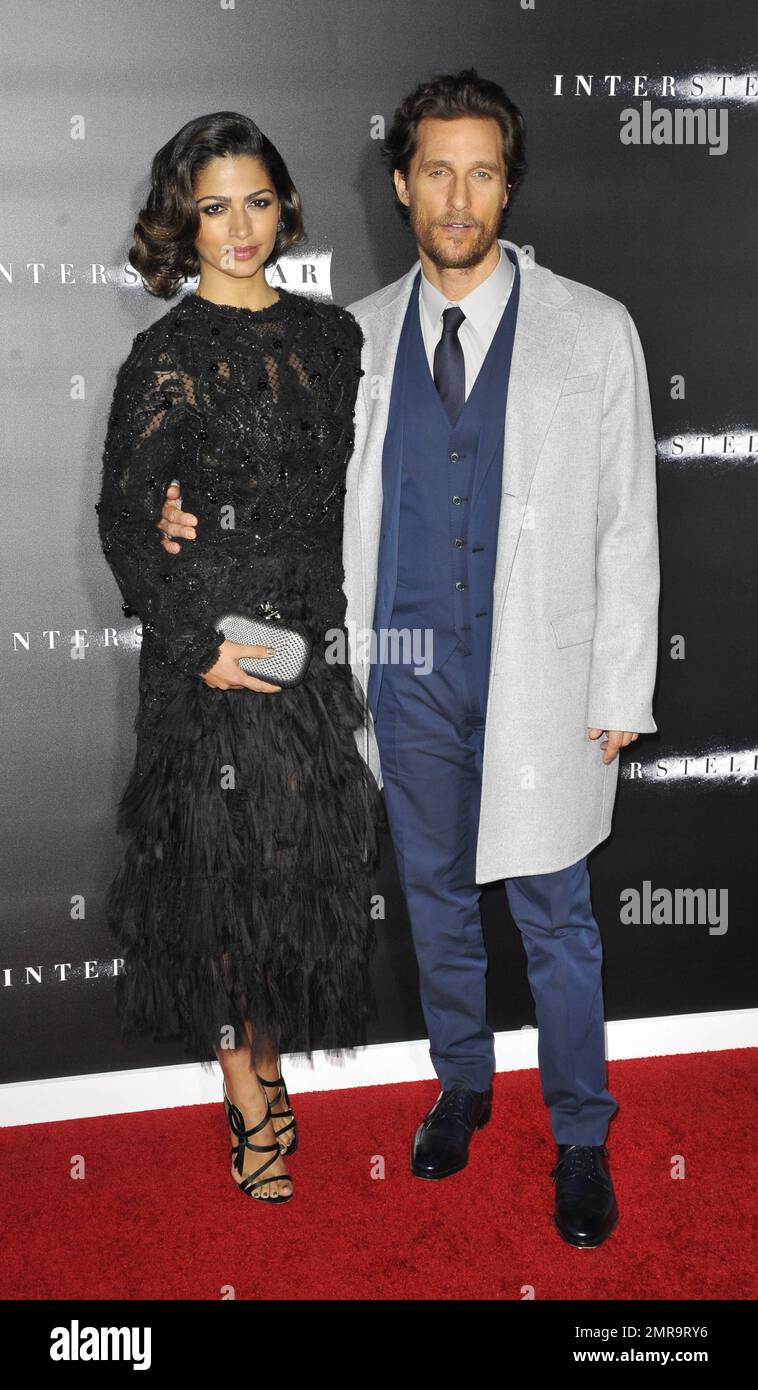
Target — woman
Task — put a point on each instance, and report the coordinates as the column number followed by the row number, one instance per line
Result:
column 242, row 902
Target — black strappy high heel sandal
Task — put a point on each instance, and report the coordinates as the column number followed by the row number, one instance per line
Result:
column 281, row 1114
column 253, row 1180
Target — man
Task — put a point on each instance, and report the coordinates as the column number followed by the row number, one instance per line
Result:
column 501, row 497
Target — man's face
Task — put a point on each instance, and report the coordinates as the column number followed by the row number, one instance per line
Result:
column 456, row 189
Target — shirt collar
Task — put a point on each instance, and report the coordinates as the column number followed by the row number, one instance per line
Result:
column 480, row 304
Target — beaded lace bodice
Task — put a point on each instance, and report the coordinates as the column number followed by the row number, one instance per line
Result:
column 252, row 411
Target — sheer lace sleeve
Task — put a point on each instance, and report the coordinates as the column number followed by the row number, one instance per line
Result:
column 144, row 450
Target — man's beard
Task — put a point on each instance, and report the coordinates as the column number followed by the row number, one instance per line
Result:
column 442, row 249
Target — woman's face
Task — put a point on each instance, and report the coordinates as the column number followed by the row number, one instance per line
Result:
column 239, row 212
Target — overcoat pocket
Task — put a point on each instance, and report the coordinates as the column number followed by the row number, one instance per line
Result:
column 585, row 382
column 575, row 626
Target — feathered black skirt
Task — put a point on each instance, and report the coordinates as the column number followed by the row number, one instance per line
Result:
column 245, row 889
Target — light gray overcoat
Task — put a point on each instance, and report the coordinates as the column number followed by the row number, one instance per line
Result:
column 575, row 604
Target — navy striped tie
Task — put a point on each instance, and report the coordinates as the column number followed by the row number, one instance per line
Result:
column 449, row 366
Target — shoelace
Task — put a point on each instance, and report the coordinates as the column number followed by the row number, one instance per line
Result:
column 580, row 1161
column 452, row 1102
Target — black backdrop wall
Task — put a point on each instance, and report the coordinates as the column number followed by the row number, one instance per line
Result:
column 89, row 93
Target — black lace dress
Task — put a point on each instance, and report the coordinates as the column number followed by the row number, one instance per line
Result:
column 245, row 887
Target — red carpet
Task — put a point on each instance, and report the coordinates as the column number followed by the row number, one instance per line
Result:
column 158, row 1217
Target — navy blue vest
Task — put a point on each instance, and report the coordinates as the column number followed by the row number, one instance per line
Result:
column 442, row 487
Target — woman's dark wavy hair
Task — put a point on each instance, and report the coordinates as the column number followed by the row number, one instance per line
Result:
column 164, row 234
column 448, row 96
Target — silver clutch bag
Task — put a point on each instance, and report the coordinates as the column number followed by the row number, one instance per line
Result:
column 293, row 650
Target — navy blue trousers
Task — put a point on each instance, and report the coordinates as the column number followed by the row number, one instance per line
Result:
column 430, row 733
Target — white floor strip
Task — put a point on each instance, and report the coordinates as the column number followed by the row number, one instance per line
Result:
column 159, row 1088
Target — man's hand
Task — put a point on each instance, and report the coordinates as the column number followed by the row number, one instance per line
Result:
column 227, row 675
column 616, row 738
column 174, row 522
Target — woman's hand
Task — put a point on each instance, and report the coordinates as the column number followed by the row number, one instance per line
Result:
column 227, row 675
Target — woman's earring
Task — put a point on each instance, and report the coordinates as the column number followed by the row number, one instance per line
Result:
column 280, row 225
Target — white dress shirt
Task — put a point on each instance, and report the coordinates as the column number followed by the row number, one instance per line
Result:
column 483, row 308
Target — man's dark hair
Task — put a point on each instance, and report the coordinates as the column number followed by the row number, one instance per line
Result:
column 448, row 96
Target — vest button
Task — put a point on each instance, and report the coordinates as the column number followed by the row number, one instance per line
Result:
column 454, row 457
column 456, row 501
column 460, row 585
column 458, row 543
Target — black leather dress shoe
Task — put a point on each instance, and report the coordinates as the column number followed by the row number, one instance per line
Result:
column 440, row 1144
column 585, row 1203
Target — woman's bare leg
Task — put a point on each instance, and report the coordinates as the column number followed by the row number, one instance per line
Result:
column 268, row 1066
column 246, row 1092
